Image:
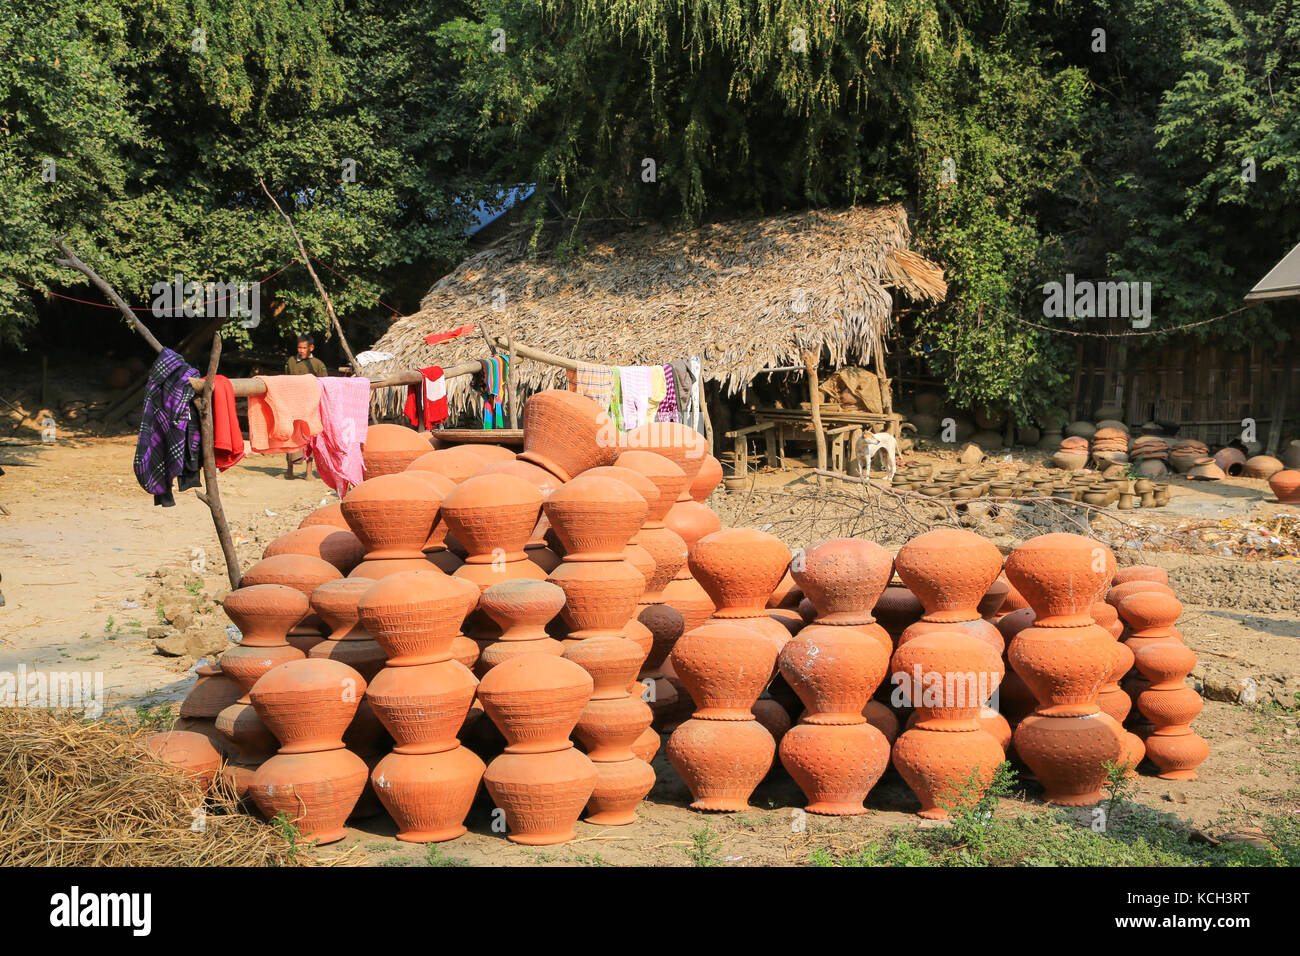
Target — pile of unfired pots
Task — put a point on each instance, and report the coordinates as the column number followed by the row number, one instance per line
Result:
column 470, row 620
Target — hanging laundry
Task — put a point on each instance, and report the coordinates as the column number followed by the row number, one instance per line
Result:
column 658, row 391
column 437, row 337
column 668, row 407
column 168, row 444
column 287, row 416
column 434, row 389
column 697, row 392
column 634, row 382
column 370, row 357
column 682, row 384
column 493, row 371
column 615, row 407
column 596, row 382
column 227, row 438
column 344, row 417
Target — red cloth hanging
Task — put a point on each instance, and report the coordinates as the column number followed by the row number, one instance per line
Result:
column 447, row 336
column 227, row 439
column 434, row 389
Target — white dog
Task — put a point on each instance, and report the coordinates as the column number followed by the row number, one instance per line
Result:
column 870, row 444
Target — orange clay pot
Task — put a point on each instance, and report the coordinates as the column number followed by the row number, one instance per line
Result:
column 612, row 663
column 949, row 570
column 300, row 571
column 423, row 707
column 416, row 615
column 638, row 482
column 1107, row 618
column 1068, row 754
column 739, row 568
column 600, row 596
column 1110, row 698
column 343, row 549
column 366, row 657
column 247, row 736
column 457, row 463
column 428, row 795
column 1063, row 667
column 1171, row 706
column 193, row 754
column 535, row 701
column 308, row 704
column 384, row 567
column 331, row 515
column 976, row 627
column 1014, row 600
column 1150, row 616
column 594, row 517
column 692, row 521
column 493, row 517
column 316, row 791
column 567, row 433
column 388, row 449
column 522, row 608
column 1286, row 485
column 934, row 764
column 336, row 603
column 1140, row 572
column 1061, row 576
column 620, row 787
column 245, row 665
column 844, row 578
column 879, row 715
column 392, row 515
column 666, row 626
column 647, row 745
column 666, row 475
column 436, row 542
column 721, row 761
column 786, row 595
column 724, row 668
column 212, row 692
column 683, row 446
column 1119, row 592
column 542, row 794
column 265, row 613
column 668, row 551
column 539, row 478
column 688, row 598
column 706, row 479
column 835, row 766
column 834, row 670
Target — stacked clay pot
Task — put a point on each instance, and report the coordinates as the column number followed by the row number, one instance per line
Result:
column 722, row 753
column 610, row 725
column 738, row 569
column 946, row 676
column 566, row 433
column 1111, row 698
column 393, row 515
column 331, row 515
column 950, row 570
column 191, row 753
column 1149, row 615
column 633, row 553
column 212, row 693
column 348, row 642
column 388, row 449
column 335, row 546
column 313, row 780
column 536, row 547
column 541, row 781
column 1171, row 706
column 493, row 516
column 1015, row 700
column 456, row 463
column 422, row 698
column 435, row 546
column 1263, row 467
column 1065, row 658
column 521, row 609
column 304, row 573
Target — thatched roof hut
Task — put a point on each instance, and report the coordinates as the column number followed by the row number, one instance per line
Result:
column 746, row 295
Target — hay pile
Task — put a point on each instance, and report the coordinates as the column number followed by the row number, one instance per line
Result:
column 78, row 793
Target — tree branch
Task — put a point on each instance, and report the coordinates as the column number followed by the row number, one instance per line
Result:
column 71, row 261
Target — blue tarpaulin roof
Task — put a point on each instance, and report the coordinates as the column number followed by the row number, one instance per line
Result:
column 488, row 212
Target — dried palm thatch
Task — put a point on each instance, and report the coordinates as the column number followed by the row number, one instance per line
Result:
column 746, row 295
column 82, row 793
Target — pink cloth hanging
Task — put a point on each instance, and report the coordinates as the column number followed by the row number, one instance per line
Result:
column 344, row 415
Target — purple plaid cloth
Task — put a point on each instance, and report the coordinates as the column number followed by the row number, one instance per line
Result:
column 668, row 407
column 168, row 446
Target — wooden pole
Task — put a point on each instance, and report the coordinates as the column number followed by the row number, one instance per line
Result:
column 510, row 378
column 704, row 410
column 71, row 261
column 306, row 260
column 244, row 387
column 814, row 395
column 211, row 494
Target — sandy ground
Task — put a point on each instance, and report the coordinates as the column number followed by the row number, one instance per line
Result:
column 82, row 543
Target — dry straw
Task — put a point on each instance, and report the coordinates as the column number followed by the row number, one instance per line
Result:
column 83, row 793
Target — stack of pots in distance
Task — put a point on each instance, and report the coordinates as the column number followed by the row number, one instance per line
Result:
column 422, row 698
column 314, row 781
column 835, row 665
column 1186, row 452
column 1151, row 452
column 1065, row 658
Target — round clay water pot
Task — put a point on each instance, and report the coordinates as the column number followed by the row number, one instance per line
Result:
column 245, row 665
column 1263, row 467
column 428, row 795
column 316, row 791
column 444, row 486
column 739, row 568
column 706, row 479
column 594, row 516
column 948, row 704
column 949, row 570
column 393, row 515
column 265, row 613
column 252, row 742
column 600, row 596
column 212, row 693
column 416, row 615
column 1111, row 698
column 1064, row 667
column 501, row 651
column 896, row 608
column 300, row 571
column 990, row 605
column 834, row 670
column 343, row 549
column 336, row 603
column 724, row 667
column 535, row 701
column 692, row 521
column 835, row 766
column 647, row 745
column 843, row 577
column 1061, row 576
column 931, row 762
column 721, row 761
column 787, row 594
column 522, row 608
column 668, row 551
column 667, row 476
column 493, row 517
column 458, row 463
column 384, row 567
column 976, row 627
column 638, row 482
column 1106, row 617
column 539, row 478
column 1116, row 595
column 612, row 662
column 608, row 728
column 191, row 753
column 1230, row 460
column 774, row 632
column 1286, row 485
column 774, row 718
column 996, row 726
column 541, row 794
column 879, row 715
column 308, row 704
column 1140, row 572
column 331, row 515
column 688, row 598
column 1069, row 754
column 567, row 433
column 666, row 625
column 423, row 706
column 620, row 786
column 788, row 618
column 366, row 657
column 388, row 449
column 680, row 444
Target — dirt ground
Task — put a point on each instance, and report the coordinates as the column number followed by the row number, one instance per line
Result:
column 87, row 560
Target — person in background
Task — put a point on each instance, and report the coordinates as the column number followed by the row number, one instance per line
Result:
column 302, row 363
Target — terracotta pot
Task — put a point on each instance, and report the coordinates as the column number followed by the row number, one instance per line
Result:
column 1150, row 616
column 535, row 702
column 680, row 444
column 931, row 763
column 835, row 766
column 667, row 476
column 843, row 577
column 638, row 482
column 457, row 463
column 1140, row 572
column 724, row 668
column 721, row 761
column 212, row 693
column 245, row 733
column 977, row 628
column 343, row 549
column 330, row 515
column 265, row 613
column 665, row 625
column 689, row 599
column 1263, row 467
column 1230, row 460
column 1116, row 595
column 436, row 542
column 787, row 594
column 542, row 794
column 308, row 704
column 595, row 516
column 834, row 670
column 493, row 517
column 949, row 570
column 385, row 567
column 1069, row 754
column 388, row 449
column 788, row 618
column 499, row 652
column 193, row 754
column 668, row 552
column 706, row 479
column 393, row 515
column 1112, row 700
column 415, row 615
column 1171, row 706
column 1106, row 617
column 774, row 632
column 620, row 787
column 428, row 795
column 1063, row 667
column 647, row 745
column 522, row 608
column 244, row 665
column 1061, row 576
column 879, row 715
column 739, row 568
column 567, row 433
column 692, row 521
column 423, row 706
column 895, row 609
column 316, row 791
column 612, row 662
column 299, row 571
column 774, row 718
column 1286, row 486
column 539, row 478
column 336, row 603
column 600, row 596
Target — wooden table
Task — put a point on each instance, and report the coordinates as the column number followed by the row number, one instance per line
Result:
column 479, row 436
column 777, row 425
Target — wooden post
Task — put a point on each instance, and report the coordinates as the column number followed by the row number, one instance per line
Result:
column 704, row 410
column 211, row 494
column 510, row 378
column 814, row 395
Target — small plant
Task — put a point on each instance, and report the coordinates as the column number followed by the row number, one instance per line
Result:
column 1119, row 784
column 155, row 718
column 162, row 616
column 135, row 624
column 194, row 587
column 703, row 850
column 970, row 806
column 108, row 625
column 436, row 856
column 282, row 824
